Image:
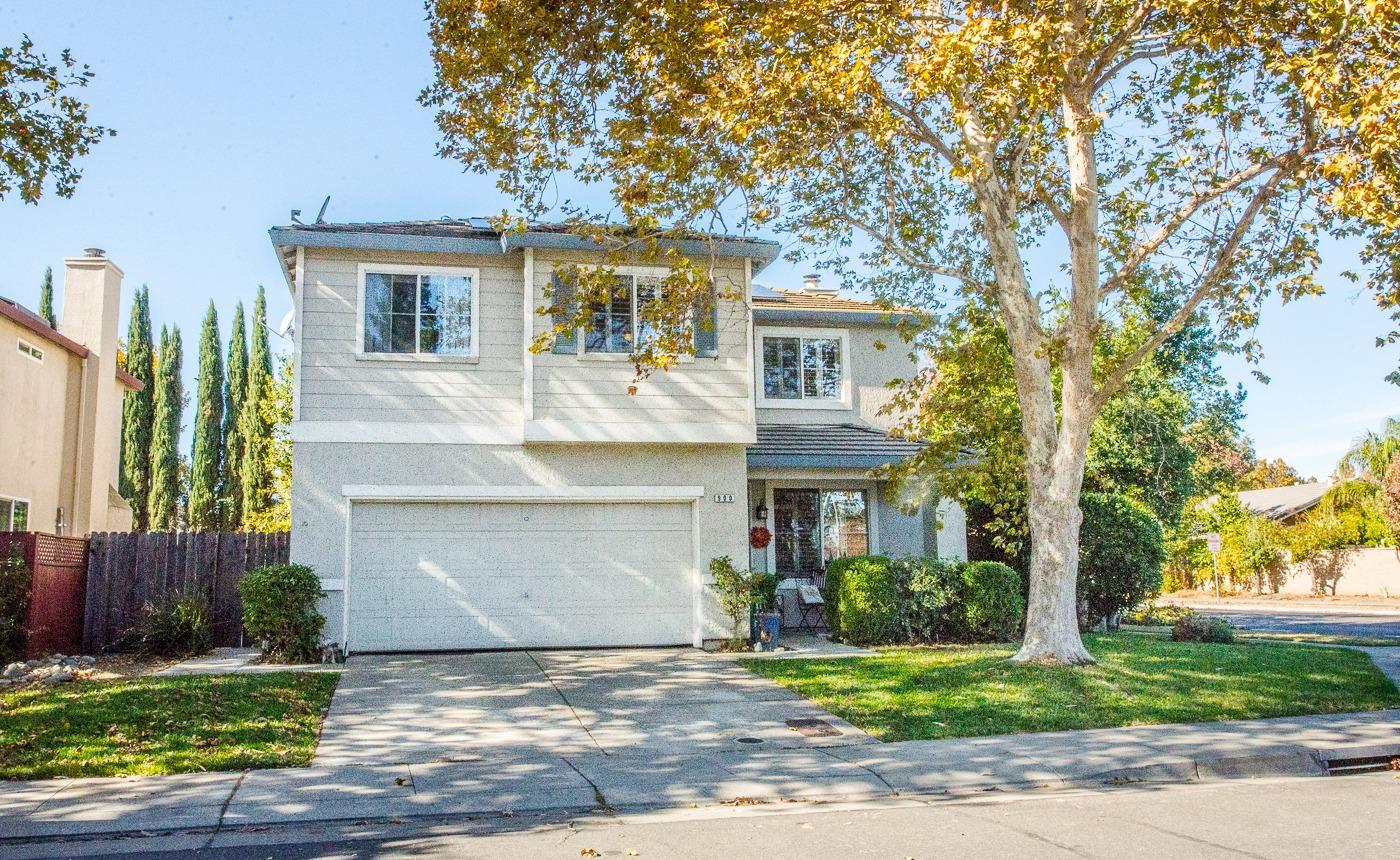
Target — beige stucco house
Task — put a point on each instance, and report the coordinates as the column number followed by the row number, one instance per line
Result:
column 61, row 423
column 456, row 490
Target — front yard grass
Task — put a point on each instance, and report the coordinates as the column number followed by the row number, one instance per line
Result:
column 964, row 691
column 163, row 725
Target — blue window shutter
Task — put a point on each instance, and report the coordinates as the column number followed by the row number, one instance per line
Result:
column 707, row 325
column 562, row 301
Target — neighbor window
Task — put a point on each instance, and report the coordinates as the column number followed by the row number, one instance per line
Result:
column 616, row 324
column 802, row 368
column 419, row 313
column 32, row 351
column 14, row 515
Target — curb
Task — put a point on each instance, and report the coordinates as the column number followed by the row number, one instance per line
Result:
column 1295, row 762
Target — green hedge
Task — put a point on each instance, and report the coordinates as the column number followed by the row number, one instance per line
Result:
column 871, row 600
column 1121, row 551
column 279, row 611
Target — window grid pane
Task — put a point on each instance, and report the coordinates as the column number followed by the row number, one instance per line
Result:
column 428, row 314
column 611, row 325
column 781, row 373
column 20, row 522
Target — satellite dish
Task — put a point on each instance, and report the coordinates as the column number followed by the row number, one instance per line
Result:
column 321, row 216
column 285, row 326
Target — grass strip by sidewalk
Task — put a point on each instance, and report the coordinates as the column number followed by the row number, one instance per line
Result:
column 971, row 690
column 163, row 725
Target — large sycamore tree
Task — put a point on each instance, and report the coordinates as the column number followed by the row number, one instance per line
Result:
column 1182, row 154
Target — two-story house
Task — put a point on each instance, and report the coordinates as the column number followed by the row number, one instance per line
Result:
column 60, row 430
column 457, row 490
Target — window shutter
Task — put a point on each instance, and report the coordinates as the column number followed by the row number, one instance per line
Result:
column 562, row 300
column 707, row 325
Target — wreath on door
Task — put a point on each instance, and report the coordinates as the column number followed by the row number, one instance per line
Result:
column 760, row 537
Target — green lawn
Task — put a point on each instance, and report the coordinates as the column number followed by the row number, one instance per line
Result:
column 163, row 725
column 964, row 691
column 1280, row 636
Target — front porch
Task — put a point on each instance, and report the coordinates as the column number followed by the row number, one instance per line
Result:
column 811, row 486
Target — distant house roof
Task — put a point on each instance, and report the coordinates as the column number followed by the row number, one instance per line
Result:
column 39, row 327
column 827, row 446
column 1280, row 503
column 778, row 306
column 477, row 236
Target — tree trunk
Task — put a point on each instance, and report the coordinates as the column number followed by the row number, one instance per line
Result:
column 1052, row 617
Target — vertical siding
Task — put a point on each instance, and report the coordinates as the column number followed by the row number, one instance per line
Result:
column 337, row 384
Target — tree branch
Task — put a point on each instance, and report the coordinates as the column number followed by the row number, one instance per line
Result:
column 886, row 239
column 1121, row 39
column 1183, row 214
column 1210, row 281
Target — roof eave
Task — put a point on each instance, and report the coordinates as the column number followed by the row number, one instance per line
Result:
column 801, row 315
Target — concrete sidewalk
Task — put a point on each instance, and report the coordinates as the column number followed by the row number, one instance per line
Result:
column 648, row 779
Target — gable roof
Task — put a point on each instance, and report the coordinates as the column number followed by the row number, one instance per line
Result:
column 477, row 236
column 1279, row 503
column 827, row 446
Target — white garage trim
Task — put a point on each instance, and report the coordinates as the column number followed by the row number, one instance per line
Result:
column 525, row 494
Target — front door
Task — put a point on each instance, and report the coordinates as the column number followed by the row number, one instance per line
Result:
column 812, row 527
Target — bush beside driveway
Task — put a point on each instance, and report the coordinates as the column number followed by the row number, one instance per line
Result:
column 965, row 691
column 163, row 725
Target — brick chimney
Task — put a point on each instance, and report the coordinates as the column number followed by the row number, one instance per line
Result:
column 92, row 287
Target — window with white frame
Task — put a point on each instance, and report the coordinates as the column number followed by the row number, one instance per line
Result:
column 798, row 367
column 617, row 324
column 29, row 349
column 14, row 515
column 419, row 312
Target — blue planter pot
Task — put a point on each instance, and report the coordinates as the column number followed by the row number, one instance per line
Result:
column 767, row 626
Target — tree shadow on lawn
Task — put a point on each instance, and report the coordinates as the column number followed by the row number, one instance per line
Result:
column 966, row 691
column 163, row 725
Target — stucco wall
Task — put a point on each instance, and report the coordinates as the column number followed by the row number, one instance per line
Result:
column 322, row 469
column 1370, row 571
column 40, row 425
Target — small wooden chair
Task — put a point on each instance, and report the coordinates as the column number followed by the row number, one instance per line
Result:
column 811, row 604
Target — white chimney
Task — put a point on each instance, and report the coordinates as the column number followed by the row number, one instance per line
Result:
column 812, row 286
column 92, row 287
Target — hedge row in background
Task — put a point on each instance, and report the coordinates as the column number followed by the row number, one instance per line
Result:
column 873, row 600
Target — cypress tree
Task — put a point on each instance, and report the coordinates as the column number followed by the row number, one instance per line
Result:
column 165, row 434
column 235, row 392
column 46, row 299
column 257, row 482
column 138, row 412
column 205, row 457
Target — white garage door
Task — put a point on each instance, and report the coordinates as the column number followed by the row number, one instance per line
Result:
column 444, row 576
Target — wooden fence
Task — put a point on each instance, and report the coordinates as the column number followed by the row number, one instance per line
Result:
column 57, row 566
column 127, row 571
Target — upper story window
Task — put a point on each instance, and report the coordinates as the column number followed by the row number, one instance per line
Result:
column 14, row 515
column 617, row 325
column 419, row 310
column 804, row 368
column 28, row 349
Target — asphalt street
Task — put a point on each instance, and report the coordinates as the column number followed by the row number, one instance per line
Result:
column 1306, row 818
column 1332, row 621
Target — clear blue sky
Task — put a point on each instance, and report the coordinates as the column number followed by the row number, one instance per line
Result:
column 228, row 119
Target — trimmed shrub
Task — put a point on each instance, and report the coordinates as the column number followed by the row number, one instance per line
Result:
column 1199, row 628
column 867, row 600
column 279, row 611
column 177, row 627
column 1153, row 615
column 992, row 604
column 1121, row 551
column 931, row 596
column 831, row 588
column 15, row 579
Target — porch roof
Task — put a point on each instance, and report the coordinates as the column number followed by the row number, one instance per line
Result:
column 838, row 446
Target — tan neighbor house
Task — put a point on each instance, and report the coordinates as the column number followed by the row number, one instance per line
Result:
column 61, row 421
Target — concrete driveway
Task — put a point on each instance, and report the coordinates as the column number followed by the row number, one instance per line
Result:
column 405, row 709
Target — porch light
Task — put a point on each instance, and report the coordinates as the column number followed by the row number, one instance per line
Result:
column 761, row 512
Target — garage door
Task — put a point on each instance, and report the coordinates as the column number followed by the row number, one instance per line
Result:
column 444, row 576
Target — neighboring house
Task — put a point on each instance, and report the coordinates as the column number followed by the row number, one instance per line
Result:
column 456, row 490
column 1284, row 504
column 61, row 422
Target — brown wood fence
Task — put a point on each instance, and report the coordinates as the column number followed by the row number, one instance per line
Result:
column 127, row 571
column 58, row 567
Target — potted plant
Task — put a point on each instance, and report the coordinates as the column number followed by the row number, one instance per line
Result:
column 752, row 593
column 767, row 618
